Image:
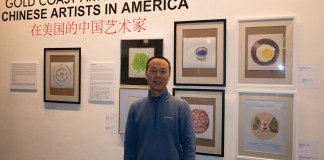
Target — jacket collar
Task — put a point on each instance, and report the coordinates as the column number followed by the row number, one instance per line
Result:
column 165, row 95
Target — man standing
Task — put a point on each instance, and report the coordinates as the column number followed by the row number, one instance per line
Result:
column 159, row 126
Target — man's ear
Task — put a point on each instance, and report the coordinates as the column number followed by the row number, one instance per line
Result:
column 145, row 76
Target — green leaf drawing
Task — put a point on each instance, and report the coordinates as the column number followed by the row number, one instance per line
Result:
column 273, row 125
column 139, row 62
column 256, row 123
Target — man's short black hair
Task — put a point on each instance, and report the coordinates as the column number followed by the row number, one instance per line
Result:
column 158, row 57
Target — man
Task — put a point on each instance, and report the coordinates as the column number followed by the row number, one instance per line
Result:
column 159, row 126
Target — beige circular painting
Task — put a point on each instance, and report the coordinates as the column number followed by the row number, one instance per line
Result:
column 264, row 125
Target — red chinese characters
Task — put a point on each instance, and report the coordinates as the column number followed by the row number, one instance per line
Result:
column 106, row 27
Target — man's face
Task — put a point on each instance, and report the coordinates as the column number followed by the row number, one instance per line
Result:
column 157, row 75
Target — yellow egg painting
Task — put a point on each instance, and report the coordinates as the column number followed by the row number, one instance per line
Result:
column 265, row 53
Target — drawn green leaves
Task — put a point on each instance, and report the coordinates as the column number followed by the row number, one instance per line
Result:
column 139, row 62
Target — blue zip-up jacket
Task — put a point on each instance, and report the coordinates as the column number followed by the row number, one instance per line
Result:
column 159, row 128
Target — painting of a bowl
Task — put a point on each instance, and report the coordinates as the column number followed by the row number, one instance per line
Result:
column 201, row 53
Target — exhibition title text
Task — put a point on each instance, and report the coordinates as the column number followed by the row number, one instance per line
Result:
column 18, row 10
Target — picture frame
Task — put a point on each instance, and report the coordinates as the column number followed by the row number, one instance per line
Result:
column 265, row 125
column 266, row 51
column 200, row 52
column 62, row 75
column 134, row 55
column 126, row 97
column 207, row 107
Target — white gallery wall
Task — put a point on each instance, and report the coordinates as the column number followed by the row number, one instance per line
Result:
column 31, row 129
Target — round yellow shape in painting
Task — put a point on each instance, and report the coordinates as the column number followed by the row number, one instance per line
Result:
column 265, row 53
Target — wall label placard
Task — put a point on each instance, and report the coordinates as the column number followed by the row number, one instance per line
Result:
column 23, row 76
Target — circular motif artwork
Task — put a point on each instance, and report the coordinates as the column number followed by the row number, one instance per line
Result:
column 200, row 120
column 265, row 52
column 264, row 125
column 201, row 53
column 62, row 75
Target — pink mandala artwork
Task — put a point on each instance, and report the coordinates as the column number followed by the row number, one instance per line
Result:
column 200, row 120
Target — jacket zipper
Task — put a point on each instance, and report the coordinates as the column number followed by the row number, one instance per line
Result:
column 155, row 112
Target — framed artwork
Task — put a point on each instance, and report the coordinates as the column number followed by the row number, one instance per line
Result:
column 126, row 97
column 199, row 52
column 134, row 55
column 62, row 72
column 207, row 108
column 266, row 52
column 265, row 125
